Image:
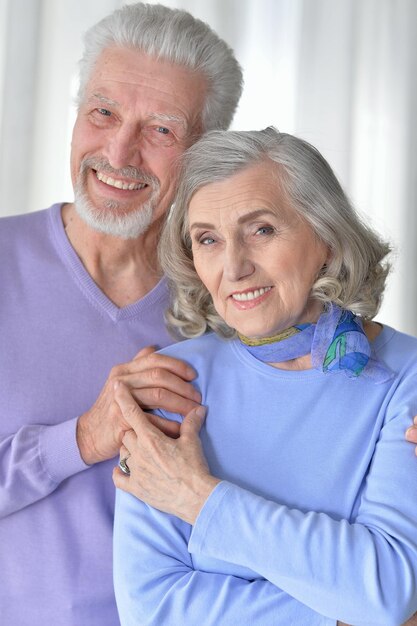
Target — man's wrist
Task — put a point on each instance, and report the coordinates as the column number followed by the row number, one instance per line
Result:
column 84, row 442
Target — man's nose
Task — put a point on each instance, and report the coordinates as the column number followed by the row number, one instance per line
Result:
column 124, row 148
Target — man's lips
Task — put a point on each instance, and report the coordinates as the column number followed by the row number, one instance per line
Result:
column 119, row 184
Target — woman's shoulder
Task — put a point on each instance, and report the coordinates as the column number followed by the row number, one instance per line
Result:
column 208, row 346
column 397, row 349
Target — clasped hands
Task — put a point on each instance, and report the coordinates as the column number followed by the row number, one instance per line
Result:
column 168, row 468
column 156, row 381
column 169, row 474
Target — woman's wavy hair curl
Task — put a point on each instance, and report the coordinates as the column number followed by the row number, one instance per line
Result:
column 355, row 274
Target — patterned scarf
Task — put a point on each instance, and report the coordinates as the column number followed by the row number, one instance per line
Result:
column 337, row 342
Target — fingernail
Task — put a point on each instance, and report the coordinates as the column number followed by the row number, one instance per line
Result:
column 116, row 384
column 197, row 396
column 191, row 373
column 410, row 433
column 201, row 411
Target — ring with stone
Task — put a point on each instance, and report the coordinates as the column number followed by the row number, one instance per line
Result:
column 124, row 466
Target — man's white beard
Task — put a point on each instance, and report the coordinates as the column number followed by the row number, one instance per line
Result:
column 110, row 220
column 127, row 226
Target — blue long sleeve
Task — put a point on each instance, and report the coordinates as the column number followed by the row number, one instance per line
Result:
column 157, row 583
column 361, row 572
column 315, row 520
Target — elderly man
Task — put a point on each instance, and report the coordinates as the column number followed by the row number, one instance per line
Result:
column 81, row 292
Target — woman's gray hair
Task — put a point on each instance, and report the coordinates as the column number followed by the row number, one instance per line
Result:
column 175, row 36
column 354, row 276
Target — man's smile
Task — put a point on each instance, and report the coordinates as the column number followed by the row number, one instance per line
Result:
column 119, row 184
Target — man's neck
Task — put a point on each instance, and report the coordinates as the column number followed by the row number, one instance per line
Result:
column 124, row 269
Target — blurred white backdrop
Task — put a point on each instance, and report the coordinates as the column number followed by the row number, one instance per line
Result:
column 340, row 73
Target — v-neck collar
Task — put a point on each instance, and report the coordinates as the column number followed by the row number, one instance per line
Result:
column 87, row 285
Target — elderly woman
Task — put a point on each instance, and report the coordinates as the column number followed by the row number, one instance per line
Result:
column 299, row 505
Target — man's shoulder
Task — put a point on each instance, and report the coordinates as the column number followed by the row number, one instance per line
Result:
column 26, row 238
column 26, row 224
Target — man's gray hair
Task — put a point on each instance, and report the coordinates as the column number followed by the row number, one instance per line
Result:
column 175, row 36
column 355, row 274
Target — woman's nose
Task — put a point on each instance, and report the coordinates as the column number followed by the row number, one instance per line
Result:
column 237, row 262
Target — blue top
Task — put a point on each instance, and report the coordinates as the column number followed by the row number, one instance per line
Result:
column 316, row 518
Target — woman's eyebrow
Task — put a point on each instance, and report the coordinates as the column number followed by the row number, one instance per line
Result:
column 201, row 225
column 256, row 213
column 241, row 220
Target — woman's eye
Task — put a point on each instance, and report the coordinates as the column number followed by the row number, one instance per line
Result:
column 206, row 241
column 163, row 130
column 105, row 112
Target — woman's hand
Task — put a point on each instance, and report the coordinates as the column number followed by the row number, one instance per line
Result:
column 169, row 474
column 411, row 434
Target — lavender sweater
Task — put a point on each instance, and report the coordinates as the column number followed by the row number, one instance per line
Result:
column 60, row 336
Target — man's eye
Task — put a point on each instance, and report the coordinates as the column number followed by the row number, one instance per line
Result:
column 265, row 230
column 159, row 136
column 104, row 112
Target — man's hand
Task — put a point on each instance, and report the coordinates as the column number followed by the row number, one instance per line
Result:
column 169, row 474
column 155, row 381
column 411, row 435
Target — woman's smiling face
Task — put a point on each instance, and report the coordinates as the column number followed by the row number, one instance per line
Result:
column 254, row 254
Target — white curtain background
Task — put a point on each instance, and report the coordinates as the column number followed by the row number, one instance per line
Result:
column 340, row 73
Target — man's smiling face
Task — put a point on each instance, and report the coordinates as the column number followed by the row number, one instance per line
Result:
column 137, row 116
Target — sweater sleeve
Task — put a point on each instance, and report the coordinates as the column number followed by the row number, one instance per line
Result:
column 34, row 461
column 156, row 581
column 362, row 571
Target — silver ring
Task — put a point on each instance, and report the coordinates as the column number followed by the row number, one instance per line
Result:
column 124, row 466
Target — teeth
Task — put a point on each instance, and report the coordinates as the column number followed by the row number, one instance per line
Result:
column 108, row 180
column 250, row 295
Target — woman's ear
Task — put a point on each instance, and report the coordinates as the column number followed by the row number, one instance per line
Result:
column 329, row 257
column 322, row 271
